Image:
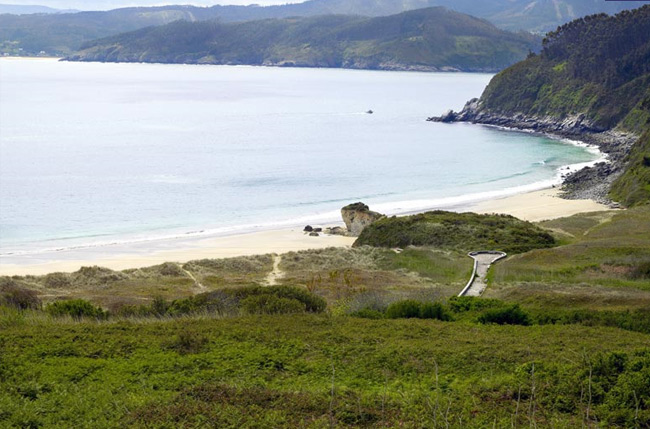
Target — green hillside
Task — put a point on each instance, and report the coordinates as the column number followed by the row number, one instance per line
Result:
column 592, row 76
column 426, row 39
column 61, row 34
column 598, row 66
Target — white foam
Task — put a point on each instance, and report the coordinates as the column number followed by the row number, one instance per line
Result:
column 454, row 203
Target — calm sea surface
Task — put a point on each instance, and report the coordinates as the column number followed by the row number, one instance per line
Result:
column 92, row 154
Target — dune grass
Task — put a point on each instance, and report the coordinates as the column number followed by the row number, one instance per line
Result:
column 609, row 250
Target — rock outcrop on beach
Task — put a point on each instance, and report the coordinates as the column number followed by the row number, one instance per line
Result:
column 357, row 217
column 577, row 89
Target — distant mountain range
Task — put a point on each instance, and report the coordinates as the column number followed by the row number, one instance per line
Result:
column 423, row 39
column 17, row 9
column 61, row 34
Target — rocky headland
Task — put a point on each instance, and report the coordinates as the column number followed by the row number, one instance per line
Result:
column 576, row 89
column 590, row 182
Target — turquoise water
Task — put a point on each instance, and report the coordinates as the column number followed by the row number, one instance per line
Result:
column 94, row 154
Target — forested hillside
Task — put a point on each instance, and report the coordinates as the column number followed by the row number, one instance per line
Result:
column 598, row 66
column 592, row 75
column 60, row 34
column 424, row 39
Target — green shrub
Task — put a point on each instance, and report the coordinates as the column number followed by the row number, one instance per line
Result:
column 57, row 280
column 458, row 231
column 406, row 309
column 313, row 303
column 309, row 302
column 368, row 313
column 75, row 308
column 509, row 315
column 188, row 342
column 271, row 304
column 641, row 271
column 16, row 296
column 463, row 304
column 434, row 310
column 130, row 310
column 159, row 306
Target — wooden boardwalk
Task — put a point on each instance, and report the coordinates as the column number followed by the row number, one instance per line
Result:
column 482, row 262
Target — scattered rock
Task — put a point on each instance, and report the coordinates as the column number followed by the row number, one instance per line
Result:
column 337, row 230
column 308, row 228
column 318, row 229
column 357, row 216
column 314, row 234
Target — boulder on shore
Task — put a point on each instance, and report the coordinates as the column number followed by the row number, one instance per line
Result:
column 357, row 216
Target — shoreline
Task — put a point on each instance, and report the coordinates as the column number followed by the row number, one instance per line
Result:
column 532, row 206
column 588, row 183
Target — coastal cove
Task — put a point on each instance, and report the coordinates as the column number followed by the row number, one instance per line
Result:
column 220, row 151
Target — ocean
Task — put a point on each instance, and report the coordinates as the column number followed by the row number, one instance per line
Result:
column 109, row 154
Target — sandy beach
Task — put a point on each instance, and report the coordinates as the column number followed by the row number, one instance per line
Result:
column 533, row 206
column 538, row 206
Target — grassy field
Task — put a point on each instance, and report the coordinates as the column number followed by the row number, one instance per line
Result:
column 318, row 371
column 603, row 264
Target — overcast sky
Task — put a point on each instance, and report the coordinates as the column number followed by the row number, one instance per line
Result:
column 114, row 4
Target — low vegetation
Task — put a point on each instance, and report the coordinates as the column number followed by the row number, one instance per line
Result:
column 458, row 231
column 316, row 371
column 602, row 253
column 633, row 186
column 361, row 337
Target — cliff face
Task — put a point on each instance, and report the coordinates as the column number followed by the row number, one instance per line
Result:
column 591, row 82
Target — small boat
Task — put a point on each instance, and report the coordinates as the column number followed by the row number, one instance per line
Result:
column 370, row 112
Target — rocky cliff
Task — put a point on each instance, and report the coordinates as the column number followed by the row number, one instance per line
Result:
column 357, row 216
column 591, row 82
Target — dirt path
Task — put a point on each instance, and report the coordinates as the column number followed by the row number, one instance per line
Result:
column 478, row 282
column 199, row 286
column 276, row 273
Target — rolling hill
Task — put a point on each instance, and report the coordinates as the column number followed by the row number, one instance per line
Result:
column 61, row 34
column 424, row 39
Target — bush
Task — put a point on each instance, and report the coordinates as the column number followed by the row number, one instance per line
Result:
column 463, row 304
column 57, row 280
column 458, row 231
column 159, row 306
column 403, row 309
column 310, row 302
column 411, row 308
column 510, row 315
column 188, row 342
column 434, row 310
column 271, row 304
column 368, row 313
column 641, row 271
column 75, row 308
column 13, row 295
column 129, row 310
column 313, row 303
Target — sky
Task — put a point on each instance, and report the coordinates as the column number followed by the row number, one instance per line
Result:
column 114, row 4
